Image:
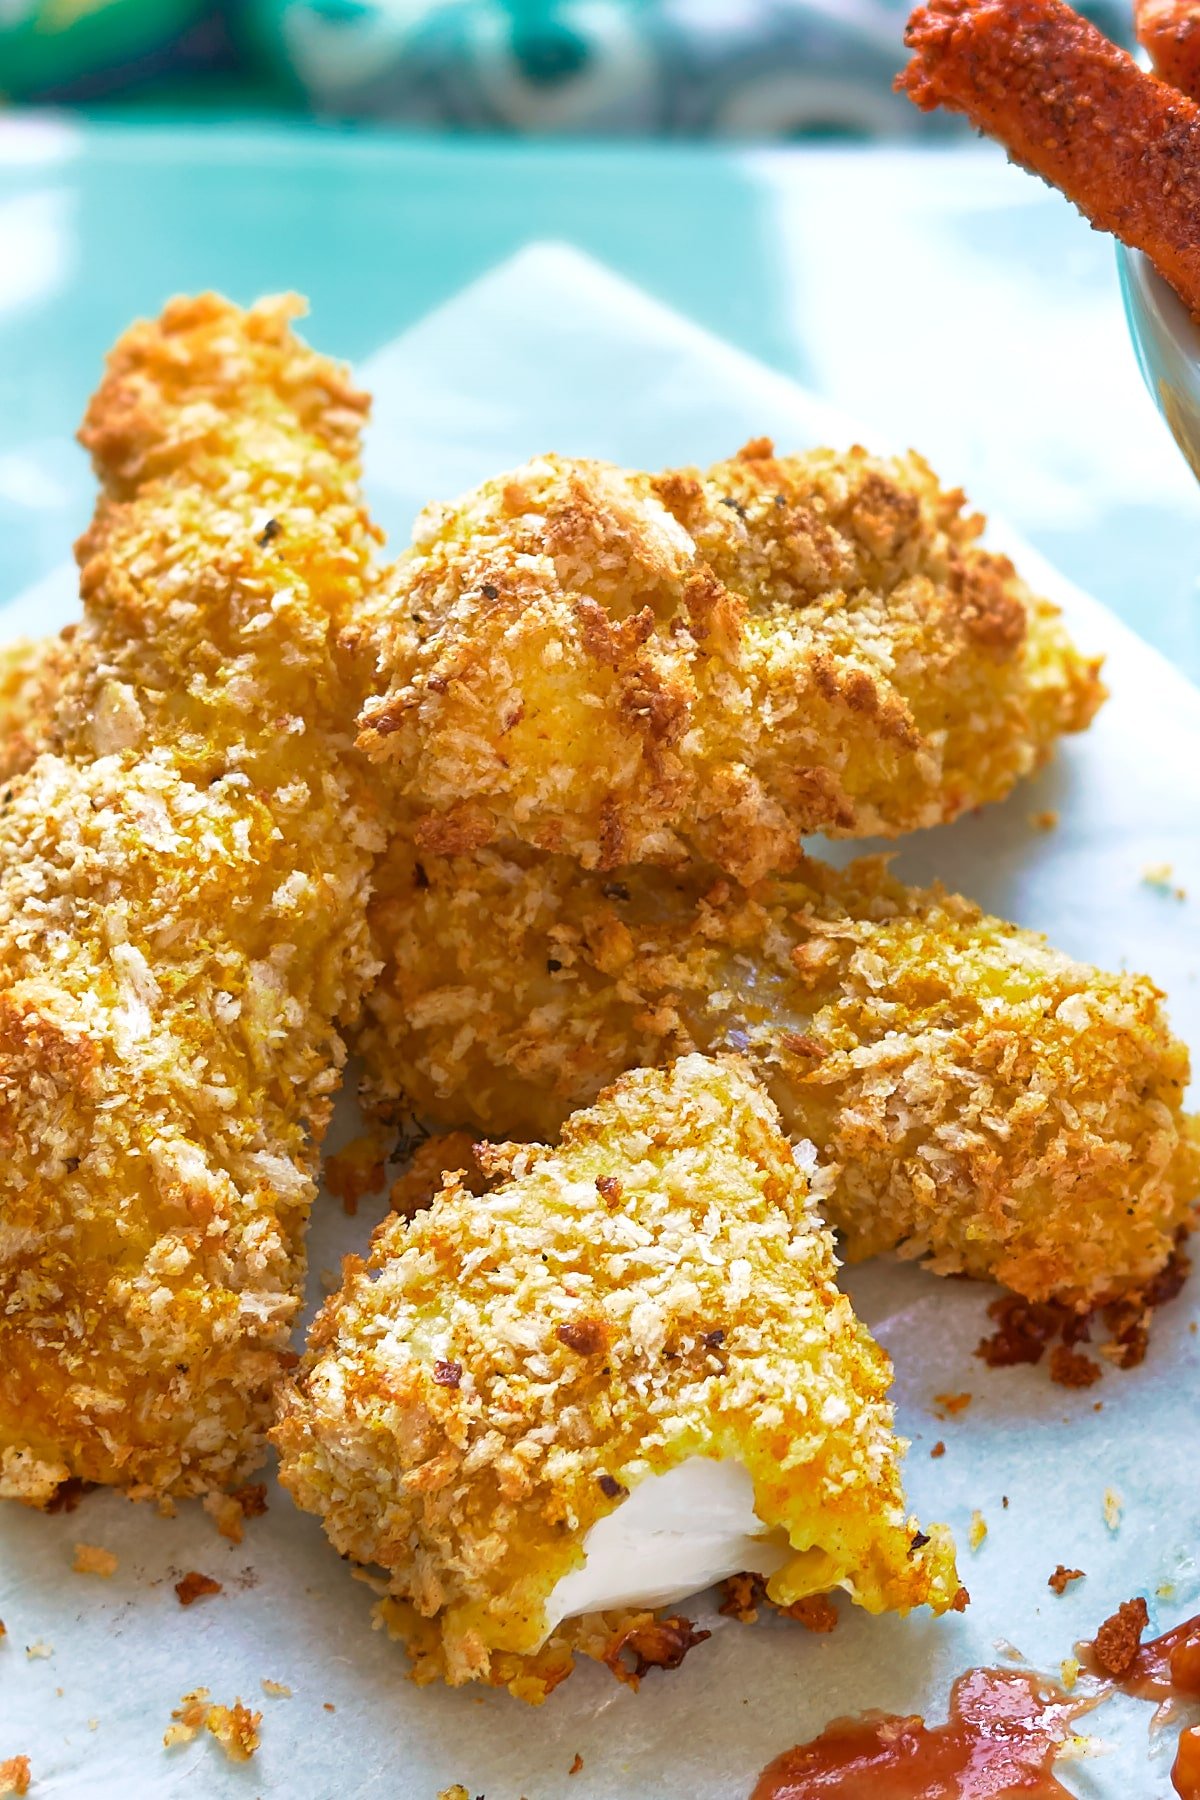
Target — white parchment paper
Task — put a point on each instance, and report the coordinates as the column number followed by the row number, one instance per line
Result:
column 551, row 351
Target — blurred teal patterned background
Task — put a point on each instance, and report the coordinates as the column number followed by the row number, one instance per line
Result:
column 732, row 68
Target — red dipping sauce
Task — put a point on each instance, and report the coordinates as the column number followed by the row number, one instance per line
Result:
column 1005, row 1729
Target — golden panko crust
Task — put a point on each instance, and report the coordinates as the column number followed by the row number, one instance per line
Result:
column 31, row 677
column 632, row 668
column 183, row 884
column 506, row 1368
column 984, row 1103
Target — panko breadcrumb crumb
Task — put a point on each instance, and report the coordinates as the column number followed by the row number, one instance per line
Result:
column 234, row 1727
column 506, row 1369
column 183, row 880
column 91, row 1559
column 633, row 668
column 979, row 1101
column 15, row 1775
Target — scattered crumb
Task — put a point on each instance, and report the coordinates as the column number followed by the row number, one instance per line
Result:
column 816, row 1613
column 14, row 1775
column 961, row 1600
column 226, row 1514
column 1072, row 1369
column 90, row 1559
column 1112, row 1508
column 1116, row 1644
column 1004, row 1501
column 356, row 1170
column 93, row 1724
column 1044, row 821
column 1062, row 1576
column 234, row 1727
column 741, row 1597
column 229, row 1511
column 939, row 1449
column 576, row 1764
column 195, row 1586
column 457, row 1792
column 276, row 1690
column 35, row 1652
column 1165, row 1590
column 1008, row 1650
column 3, row 1631
column 329, row 1706
column 978, row 1531
column 952, row 1404
column 1068, row 1670
column 1161, row 876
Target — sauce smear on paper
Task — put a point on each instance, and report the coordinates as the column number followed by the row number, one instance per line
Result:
column 1005, row 1729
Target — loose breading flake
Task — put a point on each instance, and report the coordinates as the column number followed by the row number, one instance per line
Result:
column 168, row 1042
column 15, row 1775
column 1113, row 1507
column 234, row 1727
column 971, row 1098
column 1062, row 1577
column 978, row 1531
column 91, row 1559
column 475, row 1496
column 39, row 1652
column 708, row 664
column 276, row 1690
column 195, row 1586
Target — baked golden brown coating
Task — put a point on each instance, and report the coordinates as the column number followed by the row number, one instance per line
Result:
column 31, row 676
column 506, row 1369
column 629, row 668
column 988, row 1105
column 183, row 883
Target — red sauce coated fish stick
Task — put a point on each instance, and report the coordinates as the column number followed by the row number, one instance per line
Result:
column 1077, row 111
column 1170, row 31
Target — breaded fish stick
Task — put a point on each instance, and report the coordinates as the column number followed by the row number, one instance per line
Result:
column 183, row 884
column 624, row 1373
column 1170, row 31
column 1075, row 109
column 632, row 668
column 977, row 1100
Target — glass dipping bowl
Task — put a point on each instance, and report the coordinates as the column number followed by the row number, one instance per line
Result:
column 1167, row 341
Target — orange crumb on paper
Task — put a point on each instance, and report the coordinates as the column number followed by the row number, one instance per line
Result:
column 15, row 1775
column 939, row 1449
column 576, row 1764
column 1116, row 1644
column 230, row 1511
column 1072, row 1369
column 90, row 1559
column 355, row 1171
column 234, row 1727
column 816, row 1612
column 195, row 1586
column 952, row 1404
column 978, row 1530
column 276, row 1690
column 1062, row 1576
column 1044, row 821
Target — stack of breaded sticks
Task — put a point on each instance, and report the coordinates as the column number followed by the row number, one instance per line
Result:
column 518, row 819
